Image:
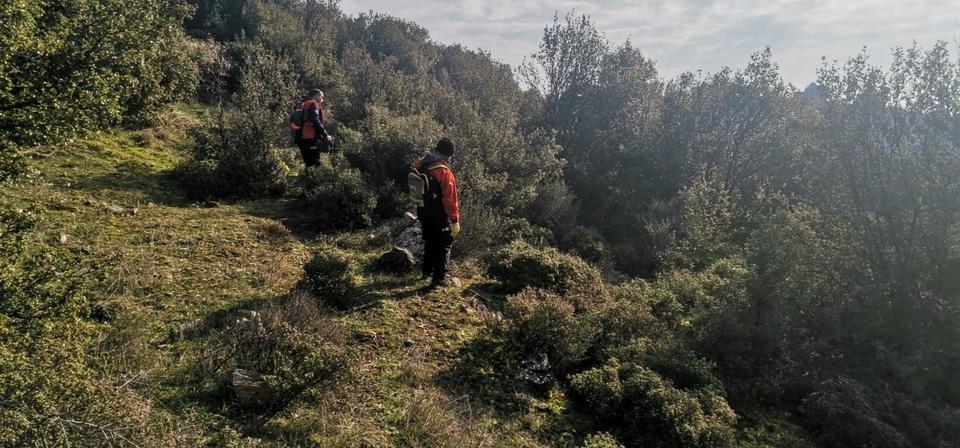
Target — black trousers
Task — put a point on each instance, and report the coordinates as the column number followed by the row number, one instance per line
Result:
column 436, row 254
column 310, row 150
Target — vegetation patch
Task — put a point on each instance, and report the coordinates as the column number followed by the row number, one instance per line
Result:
column 268, row 357
column 520, row 265
column 332, row 276
column 337, row 197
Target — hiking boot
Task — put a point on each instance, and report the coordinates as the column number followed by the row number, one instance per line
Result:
column 424, row 276
column 445, row 283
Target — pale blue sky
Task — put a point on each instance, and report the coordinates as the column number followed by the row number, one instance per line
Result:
column 693, row 34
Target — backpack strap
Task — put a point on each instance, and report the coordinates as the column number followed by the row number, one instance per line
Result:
column 303, row 114
column 426, row 177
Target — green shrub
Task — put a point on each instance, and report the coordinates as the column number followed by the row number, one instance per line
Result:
column 337, row 196
column 650, row 411
column 846, row 412
column 673, row 360
column 520, row 265
column 391, row 143
column 226, row 164
column 332, row 277
column 585, row 242
column 624, row 317
column 239, row 152
column 771, row 430
column 694, row 300
column 486, row 228
column 540, row 321
column 42, row 365
column 601, row 440
column 600, row 389
column 294, row 344
column 103, row 61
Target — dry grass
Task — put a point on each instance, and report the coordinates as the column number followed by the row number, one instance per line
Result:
column 430, row 419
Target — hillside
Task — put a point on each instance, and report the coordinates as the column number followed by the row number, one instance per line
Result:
column 709, row 261
column 174, row 271
column 174, row 277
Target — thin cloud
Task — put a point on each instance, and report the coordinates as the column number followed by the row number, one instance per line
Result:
column 687, row 35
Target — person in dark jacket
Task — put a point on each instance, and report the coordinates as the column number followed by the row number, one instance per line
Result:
column 440, row 215
column 313, row 137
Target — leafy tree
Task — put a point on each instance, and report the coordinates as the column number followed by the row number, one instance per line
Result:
column 486, row 83
column 69, row 66
column 890, row 183
column 238, row 152
column 565, row 72
column 404, row 44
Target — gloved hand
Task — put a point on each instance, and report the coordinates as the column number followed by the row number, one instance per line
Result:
column 454, row 229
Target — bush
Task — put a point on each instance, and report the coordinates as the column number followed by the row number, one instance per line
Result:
column 331, row 276
column 390, row 144
column 585, row 242
column 671, row 359
column 600, row 389
column 103, row 59
column 239, row 152
column 337, row 196
column 651, row 411
column 772, row 430
column 695, row 300
column 542, row 322
column 225, row 163
column 554, row 208
column 520, row 265
column 294, row 344
column 846, row 412
column 624, row 317
column 486, row 228
column 601, row 440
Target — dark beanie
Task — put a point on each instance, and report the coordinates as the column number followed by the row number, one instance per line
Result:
column 445, row 146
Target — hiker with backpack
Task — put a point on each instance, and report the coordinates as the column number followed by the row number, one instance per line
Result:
column 433, row 189
column 306, row 122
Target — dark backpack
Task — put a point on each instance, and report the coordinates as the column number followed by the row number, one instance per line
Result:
column 297, row 118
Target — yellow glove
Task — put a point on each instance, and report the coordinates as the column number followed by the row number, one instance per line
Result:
column 454, row 229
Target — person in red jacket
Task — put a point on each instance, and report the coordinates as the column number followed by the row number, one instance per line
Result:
column 440, row 215
column 312, row 137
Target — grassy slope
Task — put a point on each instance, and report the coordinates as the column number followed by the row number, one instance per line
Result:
column 170, row 266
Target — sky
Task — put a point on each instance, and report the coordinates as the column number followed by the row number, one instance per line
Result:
column 690, row 35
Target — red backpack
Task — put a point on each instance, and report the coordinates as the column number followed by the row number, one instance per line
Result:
column 300, row 127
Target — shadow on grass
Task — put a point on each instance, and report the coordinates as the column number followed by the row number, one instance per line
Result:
column 136, row 177
column 486, row 371
column 383, row 288
column 289, row 211
column 305, row 223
